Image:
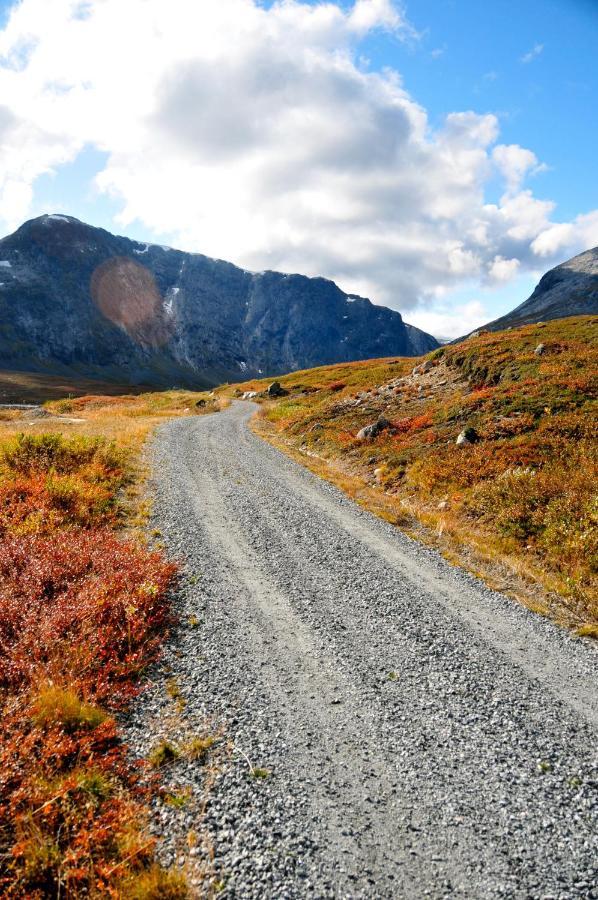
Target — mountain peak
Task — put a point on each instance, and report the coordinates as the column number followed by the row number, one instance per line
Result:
column 569, row 289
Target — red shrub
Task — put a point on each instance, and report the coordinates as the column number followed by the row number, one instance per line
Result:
column 81, row 604
column 412, row 423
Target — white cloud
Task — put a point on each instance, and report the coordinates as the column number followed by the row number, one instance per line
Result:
column 532, row 54
column 514, row 163
column 449, row 320
column 256, row 134
column 368, row 14
column 503, row 269
column 568, row 237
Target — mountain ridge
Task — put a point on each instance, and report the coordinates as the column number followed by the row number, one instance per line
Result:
column 568, row 289
column 78, row 299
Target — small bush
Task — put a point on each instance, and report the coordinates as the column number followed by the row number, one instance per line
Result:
column 163, row 754
column 29, row 453
column 198, row 748
column 57, row 706
column 40, row 504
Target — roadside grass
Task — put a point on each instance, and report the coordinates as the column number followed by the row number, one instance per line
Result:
column 83, row 611
column 519, row 504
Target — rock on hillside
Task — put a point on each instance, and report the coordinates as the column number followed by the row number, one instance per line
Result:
column 78, row 300
column 570, row 289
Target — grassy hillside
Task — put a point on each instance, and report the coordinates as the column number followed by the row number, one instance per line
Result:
column 519, row 502
column 83, row 610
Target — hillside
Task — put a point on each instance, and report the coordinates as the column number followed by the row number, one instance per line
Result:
column 516, row 498
column 570, row 289
column 78, row 301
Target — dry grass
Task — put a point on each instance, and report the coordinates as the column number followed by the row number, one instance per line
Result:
column 56, row 706
column 519, row 505
column 155, row 884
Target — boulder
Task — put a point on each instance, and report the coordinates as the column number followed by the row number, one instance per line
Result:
column 201, row 402
column 371, row 431
column 467, row 436
column 423, row 367
column 249, row 395
column 540, row 349
column 276, row 390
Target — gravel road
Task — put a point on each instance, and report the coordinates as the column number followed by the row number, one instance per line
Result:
column 424, row 735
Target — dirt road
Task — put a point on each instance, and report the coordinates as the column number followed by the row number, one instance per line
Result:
column 424, row 736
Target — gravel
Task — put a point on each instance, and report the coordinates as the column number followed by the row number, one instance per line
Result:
column 423, row 735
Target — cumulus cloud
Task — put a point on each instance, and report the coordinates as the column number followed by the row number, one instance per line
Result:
column 256, row 133
column 515, row 163
column 503, row 269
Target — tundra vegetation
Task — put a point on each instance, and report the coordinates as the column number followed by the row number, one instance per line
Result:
column 487, row 450
column 83, row 610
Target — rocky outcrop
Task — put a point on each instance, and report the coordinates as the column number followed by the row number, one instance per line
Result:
column 570, row 289
column 79, row 300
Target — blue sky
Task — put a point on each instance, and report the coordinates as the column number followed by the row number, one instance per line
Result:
column 470, row 56
column 182, row 167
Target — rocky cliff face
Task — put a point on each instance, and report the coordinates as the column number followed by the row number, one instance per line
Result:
column 77, row 299
column 570, row 289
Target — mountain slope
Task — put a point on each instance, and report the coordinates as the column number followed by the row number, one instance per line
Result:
column 570, row 289
column 77, row 299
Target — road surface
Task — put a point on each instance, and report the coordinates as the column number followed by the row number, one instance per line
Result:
column 423, row 735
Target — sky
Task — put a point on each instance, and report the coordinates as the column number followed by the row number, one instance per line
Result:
column 437, row 156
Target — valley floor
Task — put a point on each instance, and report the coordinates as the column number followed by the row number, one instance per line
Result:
column 392, row 727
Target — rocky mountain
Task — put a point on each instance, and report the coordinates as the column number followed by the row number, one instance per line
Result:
column 78, row 300
column 570, row 289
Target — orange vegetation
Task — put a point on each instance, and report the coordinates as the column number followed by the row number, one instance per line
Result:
column 82, row 614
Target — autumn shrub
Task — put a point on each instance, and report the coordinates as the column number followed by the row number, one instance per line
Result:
column 53, row 453
column 89, row 401
column 49, row 482
column 82, row 614
column 412, row 423
column 451, row 467
column 72, row 807
column 42, row 503
column 554, row 509
column 82, row 604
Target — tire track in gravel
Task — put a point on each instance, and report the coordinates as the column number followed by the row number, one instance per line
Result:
column 469, row 772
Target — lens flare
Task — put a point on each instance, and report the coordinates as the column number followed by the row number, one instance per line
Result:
column 126, row 293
